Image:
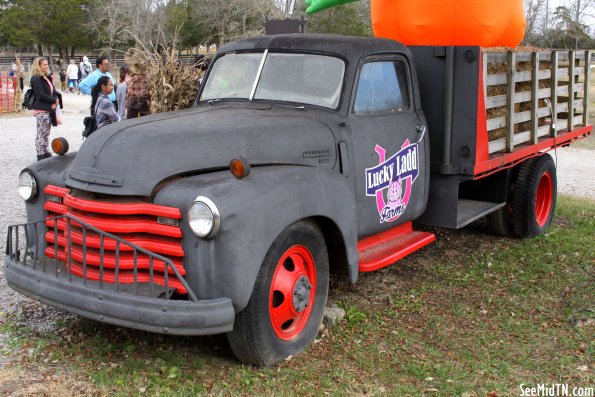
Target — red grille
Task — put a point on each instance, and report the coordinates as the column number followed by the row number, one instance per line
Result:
column 133, row 222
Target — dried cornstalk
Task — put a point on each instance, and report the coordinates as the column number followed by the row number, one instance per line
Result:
column 173, row 84
column 18, row 95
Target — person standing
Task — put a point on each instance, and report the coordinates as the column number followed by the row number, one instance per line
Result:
column 90, row 81
column 47, row 99
column 139, row 86
column 85, row 69
column 63, row 79
column 72, row 75
column 122, row 90
column 139, row 97
column 102, row 107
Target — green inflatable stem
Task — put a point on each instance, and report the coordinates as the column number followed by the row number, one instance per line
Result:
column 319, row 5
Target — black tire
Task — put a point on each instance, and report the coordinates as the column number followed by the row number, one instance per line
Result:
column 499, row 222
column 534, row 197
column 259, row 336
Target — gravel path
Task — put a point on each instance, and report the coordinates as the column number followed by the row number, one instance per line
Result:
column 576, row 176
column 576, row 171
column 17, row 142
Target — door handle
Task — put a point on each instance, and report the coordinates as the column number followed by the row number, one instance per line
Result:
column 344, row 158
column 421, row 129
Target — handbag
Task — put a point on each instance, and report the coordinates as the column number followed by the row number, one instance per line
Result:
column 90, row 122
column 90, row 126
column 29, row 99
column 53, row 118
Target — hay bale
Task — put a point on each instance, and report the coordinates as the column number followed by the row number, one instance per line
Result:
column 503, row 68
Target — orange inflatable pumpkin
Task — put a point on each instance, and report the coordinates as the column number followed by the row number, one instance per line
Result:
column 486, row 23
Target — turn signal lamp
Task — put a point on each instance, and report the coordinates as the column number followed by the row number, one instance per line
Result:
column 60, row 146
column 240, row 168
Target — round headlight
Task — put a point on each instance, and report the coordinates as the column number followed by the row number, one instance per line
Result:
column 27, row 186
column 204, row 218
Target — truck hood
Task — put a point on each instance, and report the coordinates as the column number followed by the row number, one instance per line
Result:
column 133, row 156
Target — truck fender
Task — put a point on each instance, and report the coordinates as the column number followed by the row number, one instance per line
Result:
column 254, row 211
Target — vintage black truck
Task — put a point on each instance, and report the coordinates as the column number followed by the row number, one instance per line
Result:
column 303, row 155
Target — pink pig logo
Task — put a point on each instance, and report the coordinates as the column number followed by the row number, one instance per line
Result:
column 395, row 192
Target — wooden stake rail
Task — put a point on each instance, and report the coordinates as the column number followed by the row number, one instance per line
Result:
column 520, row 100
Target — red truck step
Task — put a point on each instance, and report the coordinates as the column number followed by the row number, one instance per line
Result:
column 383, row 249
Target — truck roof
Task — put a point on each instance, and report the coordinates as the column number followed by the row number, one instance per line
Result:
column 350, row 47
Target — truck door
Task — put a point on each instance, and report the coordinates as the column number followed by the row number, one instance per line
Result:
column 389, row 148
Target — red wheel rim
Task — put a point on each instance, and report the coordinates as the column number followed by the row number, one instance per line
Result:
column 293, row 289
column 544, row 199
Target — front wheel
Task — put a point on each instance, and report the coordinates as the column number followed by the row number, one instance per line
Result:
column 287, row 303
column 534, row 198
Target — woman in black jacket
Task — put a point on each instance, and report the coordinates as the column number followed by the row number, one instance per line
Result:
column 47, row 99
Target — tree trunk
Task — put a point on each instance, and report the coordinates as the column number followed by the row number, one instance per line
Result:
column 39, row 50
column 72, row 52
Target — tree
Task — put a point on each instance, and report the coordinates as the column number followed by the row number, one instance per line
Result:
column 580, row 10
column 534, row 10
column 192, row 30
column 569, row 32
column 349, row 19
column 59, row 23
column 288, row 7
column 118, row 23
column 22, row 23
column 565, row 27
column 233, row 19
column 67, row 22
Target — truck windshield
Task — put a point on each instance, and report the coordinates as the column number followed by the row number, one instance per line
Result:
column 286, row 77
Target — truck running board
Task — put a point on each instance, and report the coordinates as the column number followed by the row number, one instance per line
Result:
column 383, row 249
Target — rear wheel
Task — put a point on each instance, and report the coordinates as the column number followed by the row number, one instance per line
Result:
column 534, row 198
column 287, row 303
column 499, row 222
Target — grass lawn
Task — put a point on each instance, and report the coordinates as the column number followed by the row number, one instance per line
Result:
column 471, row 315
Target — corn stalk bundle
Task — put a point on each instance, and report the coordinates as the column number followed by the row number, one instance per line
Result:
column 173, row 85
column 18, row 95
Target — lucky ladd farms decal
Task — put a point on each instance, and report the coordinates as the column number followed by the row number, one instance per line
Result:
column 395, row 175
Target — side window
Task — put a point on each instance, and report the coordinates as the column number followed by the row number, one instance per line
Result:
column 382, row 87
